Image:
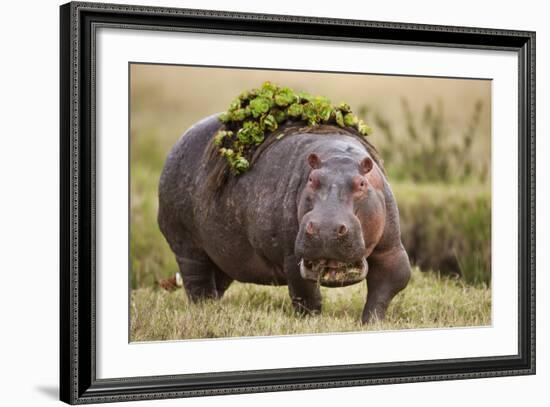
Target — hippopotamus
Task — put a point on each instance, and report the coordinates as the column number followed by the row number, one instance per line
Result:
column 315, row 209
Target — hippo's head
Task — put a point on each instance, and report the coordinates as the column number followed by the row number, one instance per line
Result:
column 330, row 242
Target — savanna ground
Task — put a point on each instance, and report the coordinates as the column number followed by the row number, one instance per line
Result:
column 434, row 136
column 430, row 301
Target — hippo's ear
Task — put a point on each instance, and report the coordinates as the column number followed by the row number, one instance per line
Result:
column 314, row 161
column 365, row 165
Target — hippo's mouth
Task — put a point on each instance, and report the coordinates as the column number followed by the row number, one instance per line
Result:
column 331, row 273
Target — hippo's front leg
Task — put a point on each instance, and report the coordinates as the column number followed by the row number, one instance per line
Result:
column 389, row 273
column 305, row 294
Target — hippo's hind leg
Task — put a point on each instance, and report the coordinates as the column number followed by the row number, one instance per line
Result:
column 389, row 273
column 202, row 279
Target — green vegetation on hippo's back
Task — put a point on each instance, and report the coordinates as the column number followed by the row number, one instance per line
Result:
column 256, row 112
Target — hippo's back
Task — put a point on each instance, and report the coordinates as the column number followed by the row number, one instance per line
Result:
column 186, row 155
column 180, row 178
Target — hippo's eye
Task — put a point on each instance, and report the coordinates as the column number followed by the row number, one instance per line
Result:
column 362, row 184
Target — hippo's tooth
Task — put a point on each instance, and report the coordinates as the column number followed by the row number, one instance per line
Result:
column 305, row 272
column 301, row 264
column 365, row 268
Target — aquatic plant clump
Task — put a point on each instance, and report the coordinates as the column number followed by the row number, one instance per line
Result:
column 257, row 112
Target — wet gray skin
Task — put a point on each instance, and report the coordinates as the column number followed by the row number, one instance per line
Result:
column 314, row 209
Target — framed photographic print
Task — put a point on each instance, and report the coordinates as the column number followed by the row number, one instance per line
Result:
column 255, row 203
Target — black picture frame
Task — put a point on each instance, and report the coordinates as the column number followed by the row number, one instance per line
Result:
column 78, row 382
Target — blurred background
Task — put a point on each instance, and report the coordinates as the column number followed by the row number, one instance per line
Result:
column 434, row 135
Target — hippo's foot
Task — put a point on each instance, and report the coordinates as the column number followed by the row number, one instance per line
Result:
column 304, row 308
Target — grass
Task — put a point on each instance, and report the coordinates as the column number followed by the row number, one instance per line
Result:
column 429, row 301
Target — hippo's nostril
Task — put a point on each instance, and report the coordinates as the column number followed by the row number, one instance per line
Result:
column 342, row 230
column 310, row 228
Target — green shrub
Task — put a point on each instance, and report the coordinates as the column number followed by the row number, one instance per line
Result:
column 447, row 228
column 428, row 149
column 151, row 259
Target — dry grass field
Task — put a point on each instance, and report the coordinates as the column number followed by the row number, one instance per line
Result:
column 429, row 301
